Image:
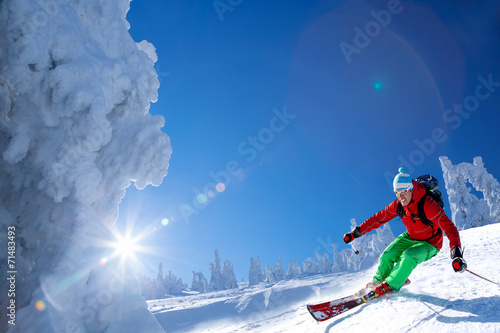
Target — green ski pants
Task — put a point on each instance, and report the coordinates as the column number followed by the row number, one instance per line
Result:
column 400, row 258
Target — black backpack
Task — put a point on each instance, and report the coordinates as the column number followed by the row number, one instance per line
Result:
column 431, row 185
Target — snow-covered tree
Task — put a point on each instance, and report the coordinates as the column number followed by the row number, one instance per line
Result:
column 75, row 93
column 255, row 275
column 324, row 264
column 275, row 273
column 279, row 272
column 294, row 270
column 159, row 287
column 216, row 281
column 339, row 264
column 228, row 276
column 199, row 283
column 310, row 267
column 269, row 274
column 172, row 284
column 222, row 279
column 468, row 211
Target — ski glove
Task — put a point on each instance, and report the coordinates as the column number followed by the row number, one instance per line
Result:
column 349, row 237
column 459, row 265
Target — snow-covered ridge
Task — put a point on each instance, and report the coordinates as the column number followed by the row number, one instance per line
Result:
column 437, row 300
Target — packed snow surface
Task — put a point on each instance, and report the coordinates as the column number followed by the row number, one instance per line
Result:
column 437, row 300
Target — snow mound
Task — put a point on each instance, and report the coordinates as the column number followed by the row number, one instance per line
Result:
column 75, row 130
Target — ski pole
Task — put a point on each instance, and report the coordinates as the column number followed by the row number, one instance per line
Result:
column 354, row 249
column 479, row 276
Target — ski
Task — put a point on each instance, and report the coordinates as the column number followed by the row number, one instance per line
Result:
column 327, row 310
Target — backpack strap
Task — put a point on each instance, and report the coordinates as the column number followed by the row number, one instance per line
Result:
column 422, row 216
column 400, row 211
column 421, row 212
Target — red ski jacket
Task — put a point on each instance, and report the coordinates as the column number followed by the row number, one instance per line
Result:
column 416, row 228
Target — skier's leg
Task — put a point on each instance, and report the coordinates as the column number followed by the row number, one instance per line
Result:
column 391, row 256
column 418, row 253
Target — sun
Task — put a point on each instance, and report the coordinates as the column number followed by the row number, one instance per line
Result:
column 125, row 247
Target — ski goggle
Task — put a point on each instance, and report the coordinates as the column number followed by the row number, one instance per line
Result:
column 406, row 190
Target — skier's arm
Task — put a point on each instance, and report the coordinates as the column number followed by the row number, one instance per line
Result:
column 441, row 219
column 377, row 220
column 436, row 214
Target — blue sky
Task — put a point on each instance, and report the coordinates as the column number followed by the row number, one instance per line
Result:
column 305, row 110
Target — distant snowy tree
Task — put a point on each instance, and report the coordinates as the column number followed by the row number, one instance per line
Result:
column 268, row 274
column 294, row 270
column 310, row 267
column 161, row 286
column 467, row 211
column 173, row 285
column 339, row 264
column 279, row 272
column 222, row 279
column 216, row 280
column 199, row 283
column 275, row 274
column 255, row 275
column 324, row 264
column 159, row 275
column 228, row 276
column 159, row 289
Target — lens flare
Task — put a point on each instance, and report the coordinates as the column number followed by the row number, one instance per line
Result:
column 40, row 305
column 220, row 187
column 202, row 199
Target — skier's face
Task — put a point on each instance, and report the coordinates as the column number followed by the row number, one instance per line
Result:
column 404, row 196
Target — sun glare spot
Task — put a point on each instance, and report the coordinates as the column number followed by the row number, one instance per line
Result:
column 125, row 247
column 103, row 260
column 202, row 198
column 165, row 221
column 40, row 305
column 220, row 187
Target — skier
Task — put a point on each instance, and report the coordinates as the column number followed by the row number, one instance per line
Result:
column 419, row 243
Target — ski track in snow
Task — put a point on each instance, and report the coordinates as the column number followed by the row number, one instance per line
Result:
column 438, row 300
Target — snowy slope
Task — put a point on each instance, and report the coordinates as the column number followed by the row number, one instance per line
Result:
column 438, row 300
